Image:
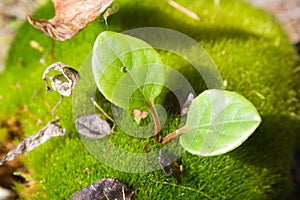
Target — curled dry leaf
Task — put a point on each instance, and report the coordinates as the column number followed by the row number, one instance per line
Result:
column 64, row 83
column 93, row 126
column 52, row 129
column 186, row 106
column 71, row 16
column 106, row 188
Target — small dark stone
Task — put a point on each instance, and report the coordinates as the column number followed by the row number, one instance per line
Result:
column 104, row 189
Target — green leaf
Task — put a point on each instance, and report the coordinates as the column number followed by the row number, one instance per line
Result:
column 218, row 121
column 127, row 70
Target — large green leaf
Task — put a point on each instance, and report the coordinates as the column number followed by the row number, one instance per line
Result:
column 218, row 121
column 127, row 70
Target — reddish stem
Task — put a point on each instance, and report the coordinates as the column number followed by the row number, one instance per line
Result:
column 174, row 134
column 156, row 121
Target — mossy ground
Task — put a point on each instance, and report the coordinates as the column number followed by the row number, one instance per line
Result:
column 253, row 55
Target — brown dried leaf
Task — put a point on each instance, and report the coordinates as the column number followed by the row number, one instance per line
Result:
column 71, row 16
column 52, row 129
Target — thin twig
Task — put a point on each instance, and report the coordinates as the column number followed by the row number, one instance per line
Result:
column 102, row 111
column 56, row 105
column 123, row 192
column 183, row 10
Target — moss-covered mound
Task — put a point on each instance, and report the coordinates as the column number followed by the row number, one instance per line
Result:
column 253, row 56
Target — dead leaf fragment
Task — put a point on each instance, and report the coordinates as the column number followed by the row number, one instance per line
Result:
column 52, row 129
column 106, row 188
column 71, row 16
column 183, row 10
column 93, row 126
column 186, row 106
column 64, row 83
column 168, row 166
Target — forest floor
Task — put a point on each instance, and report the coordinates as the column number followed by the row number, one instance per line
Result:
column 13, row 14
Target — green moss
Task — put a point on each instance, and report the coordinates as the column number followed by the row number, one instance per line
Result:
column 252, row 54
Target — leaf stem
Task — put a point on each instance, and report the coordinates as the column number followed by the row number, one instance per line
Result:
column 56, row 105
column 174, row 134
column 156, row 121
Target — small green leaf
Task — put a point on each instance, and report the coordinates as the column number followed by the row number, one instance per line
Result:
column 127, row 70
column 218, row 121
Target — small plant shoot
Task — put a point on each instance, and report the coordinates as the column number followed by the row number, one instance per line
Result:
column 129, row 73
